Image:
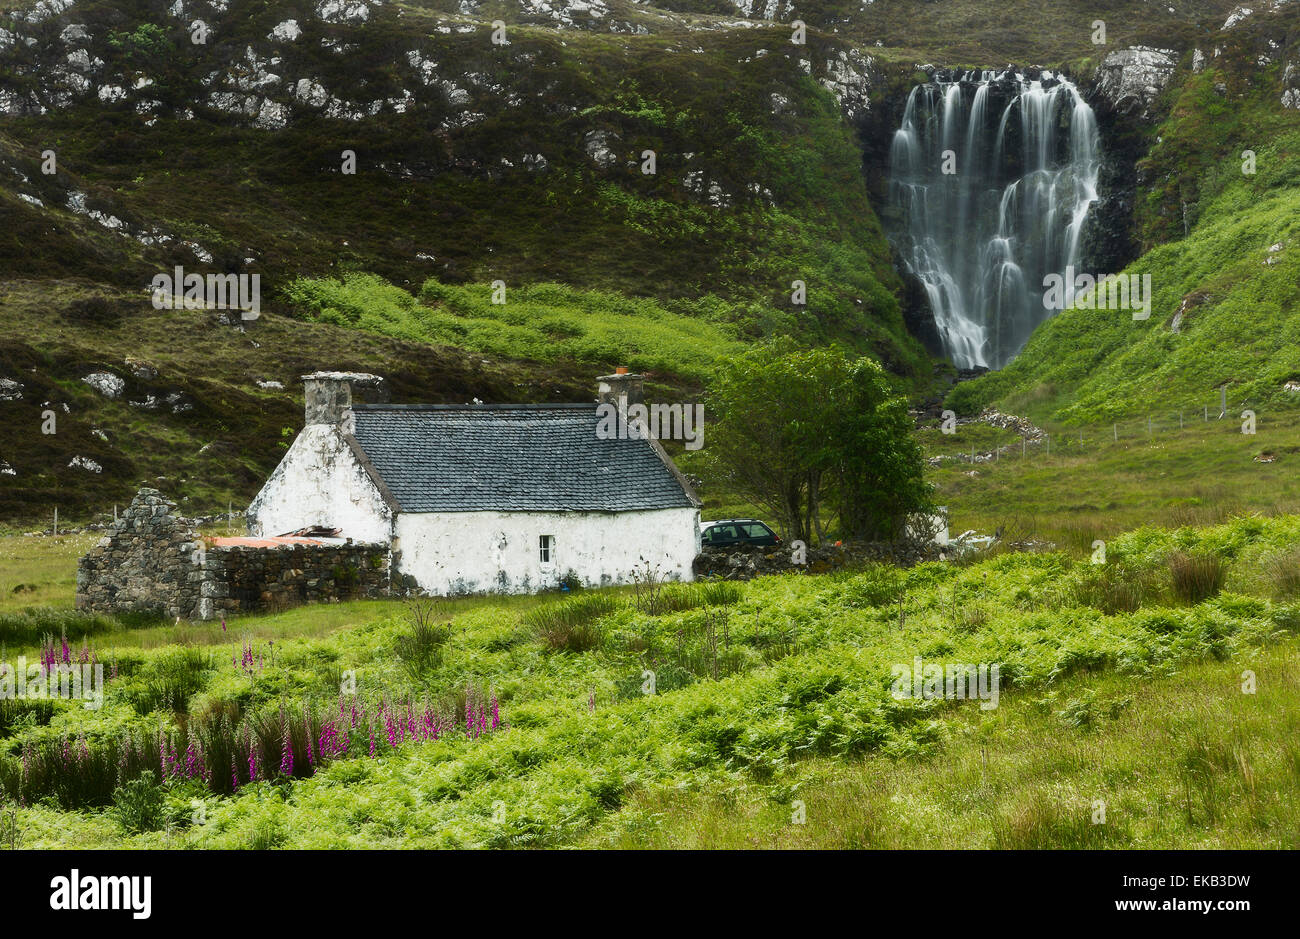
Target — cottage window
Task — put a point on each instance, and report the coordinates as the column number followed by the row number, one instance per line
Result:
column 547, row 544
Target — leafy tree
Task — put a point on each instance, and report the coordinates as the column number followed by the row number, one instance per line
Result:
column 814, row 435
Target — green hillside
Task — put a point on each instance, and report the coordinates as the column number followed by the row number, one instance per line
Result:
column 522, row 163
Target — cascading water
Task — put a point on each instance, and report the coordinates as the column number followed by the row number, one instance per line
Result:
column 983, row 224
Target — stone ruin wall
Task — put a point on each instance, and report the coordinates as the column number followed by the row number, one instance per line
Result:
column 152, row 560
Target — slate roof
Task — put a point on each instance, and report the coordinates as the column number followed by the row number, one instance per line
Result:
column 510, row 458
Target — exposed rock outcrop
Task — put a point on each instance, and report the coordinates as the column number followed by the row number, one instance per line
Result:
column 1133, row 78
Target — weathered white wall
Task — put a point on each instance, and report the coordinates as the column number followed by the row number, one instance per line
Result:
column 320, row 481
column 498, row 552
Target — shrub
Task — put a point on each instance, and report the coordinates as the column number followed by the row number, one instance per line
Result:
column 1196, row 577
column 95, row 310
column 138, row 804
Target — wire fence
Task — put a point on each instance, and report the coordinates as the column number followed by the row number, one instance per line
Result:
column 1243, row 416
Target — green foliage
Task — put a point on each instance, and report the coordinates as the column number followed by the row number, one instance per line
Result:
column 146, row 44
column 543, row 322
column 797, row 429
column 169, row 680
column 750, row 681
column 138, row 804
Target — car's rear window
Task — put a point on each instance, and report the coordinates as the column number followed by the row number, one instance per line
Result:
column 721, row 533
column 757, row 530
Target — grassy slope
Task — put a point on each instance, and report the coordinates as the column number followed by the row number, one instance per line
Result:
column 464, row 195
column 811, row 679
column 245, row 428
column 542, row 322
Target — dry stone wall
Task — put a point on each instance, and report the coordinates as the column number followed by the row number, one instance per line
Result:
column 240, row 579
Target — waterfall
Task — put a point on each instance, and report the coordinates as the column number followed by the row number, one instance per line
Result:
column 983, row 224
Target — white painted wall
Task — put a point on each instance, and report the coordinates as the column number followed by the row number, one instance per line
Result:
column 320, row 481
column 499, row 552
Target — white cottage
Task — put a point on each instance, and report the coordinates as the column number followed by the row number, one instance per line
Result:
column 506, row 498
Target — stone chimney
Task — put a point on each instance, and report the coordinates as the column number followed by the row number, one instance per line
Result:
column 622, row 384
column 329, row 395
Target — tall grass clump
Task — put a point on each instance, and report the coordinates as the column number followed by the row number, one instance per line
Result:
column 1196, row 577
column 572, row 625
column 420, row 650
column 1114, row 588
column 1282, row 571
column 721, row 592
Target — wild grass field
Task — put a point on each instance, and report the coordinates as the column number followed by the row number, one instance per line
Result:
column 1084, row 484
column 1180, row 761
column 526, row 721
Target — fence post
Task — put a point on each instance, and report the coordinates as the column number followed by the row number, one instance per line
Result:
column 1114, row 429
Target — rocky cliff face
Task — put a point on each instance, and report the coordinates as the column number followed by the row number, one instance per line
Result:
column 272, row 71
